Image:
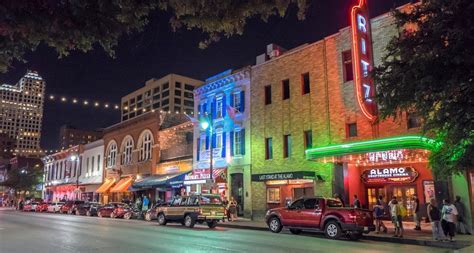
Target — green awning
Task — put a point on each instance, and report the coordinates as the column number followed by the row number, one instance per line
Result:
column 399, row 142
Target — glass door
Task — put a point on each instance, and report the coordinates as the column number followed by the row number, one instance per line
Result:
column 372, row 194
column 404, row 195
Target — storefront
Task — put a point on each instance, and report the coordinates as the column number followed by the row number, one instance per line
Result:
column 200, row 181
column 62, row 193
column 161, row 187
column 285, row 187
column 396, row 166
column 104, row 190
column 120, row 191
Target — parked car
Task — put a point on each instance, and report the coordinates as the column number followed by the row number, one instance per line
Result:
column 188, row 210
column 86, row 208
column 107, row 209
column 30, row 206
column 151, row 213
column 42, row 207
column 120, row 210
column 69, row 206
column 55, row 207
column 132, row 213
column 323, row 215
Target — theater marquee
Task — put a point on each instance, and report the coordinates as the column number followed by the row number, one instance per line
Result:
column 389, row 175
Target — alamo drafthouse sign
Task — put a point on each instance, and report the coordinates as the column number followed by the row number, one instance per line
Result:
column 389, row 175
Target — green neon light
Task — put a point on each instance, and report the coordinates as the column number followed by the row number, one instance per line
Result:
column 405, row 142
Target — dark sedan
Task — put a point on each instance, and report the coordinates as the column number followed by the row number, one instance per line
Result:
column 87, row 208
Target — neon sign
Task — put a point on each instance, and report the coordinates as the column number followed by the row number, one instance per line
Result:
column 384, row 156
column 363, row 61
column 389, row 175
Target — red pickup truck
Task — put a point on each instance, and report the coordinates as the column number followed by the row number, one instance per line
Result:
column 323, row 215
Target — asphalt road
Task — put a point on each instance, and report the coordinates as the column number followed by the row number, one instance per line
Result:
column 41, row 232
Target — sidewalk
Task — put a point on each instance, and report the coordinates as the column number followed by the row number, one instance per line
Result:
column 410, row 236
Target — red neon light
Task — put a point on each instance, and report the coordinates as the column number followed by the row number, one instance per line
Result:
column 364, row 85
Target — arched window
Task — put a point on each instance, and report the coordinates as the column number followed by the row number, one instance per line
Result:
column 111, row 154
column 146, row 142
column 127, row 148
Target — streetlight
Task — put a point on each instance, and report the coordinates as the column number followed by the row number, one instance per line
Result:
column 205, row 125
column 73, row 159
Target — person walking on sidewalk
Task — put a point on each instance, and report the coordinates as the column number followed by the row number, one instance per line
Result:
column 396, row 214
column 233, row 209
column 416, row 212
column 462, row 226
column 434, row 215
column 338, row 197
column 448, row 221
column 378, row 214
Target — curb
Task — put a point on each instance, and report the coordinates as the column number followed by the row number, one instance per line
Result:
column 446, row 245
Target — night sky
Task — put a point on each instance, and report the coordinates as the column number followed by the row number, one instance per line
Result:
column 158, row 51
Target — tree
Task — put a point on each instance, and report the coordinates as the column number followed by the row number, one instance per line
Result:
column 24, row 179
column 80, row 24
column 429, row 68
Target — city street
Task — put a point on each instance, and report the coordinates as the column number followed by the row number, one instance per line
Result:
column 41, row 232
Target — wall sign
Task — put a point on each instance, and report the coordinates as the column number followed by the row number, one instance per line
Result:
column 389, row 175
column 284, row 176
column 362, row 59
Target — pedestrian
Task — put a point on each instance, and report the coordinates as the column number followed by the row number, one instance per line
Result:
column 378, row 214
column 396, row 214
column 434, row 215
column 138, row 203
column 356, row 202
column 338, row 197
column 448, row 221
column 225, row 203
column 145, row 203
column 462, row 226
column 416, row 213
column 232, row 209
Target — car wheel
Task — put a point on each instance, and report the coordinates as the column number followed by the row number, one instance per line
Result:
column 295, row 231
column 147, row 217
column 112, row 215
column 332, row 230
column 127, row 216
column 275, row 225
column 212, row 224
column 88, row 213
column 161, row 219
column 189, row 221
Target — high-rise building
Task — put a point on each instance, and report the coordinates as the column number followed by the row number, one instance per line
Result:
column 70, row 136
column 21, row 112
column 171, row 93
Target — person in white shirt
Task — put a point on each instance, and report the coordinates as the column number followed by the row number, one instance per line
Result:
column 448, row 221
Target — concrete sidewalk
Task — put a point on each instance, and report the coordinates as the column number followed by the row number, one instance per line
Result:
column 411, row 236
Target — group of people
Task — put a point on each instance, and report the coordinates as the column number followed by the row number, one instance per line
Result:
column 445, row 221
column 231, row 208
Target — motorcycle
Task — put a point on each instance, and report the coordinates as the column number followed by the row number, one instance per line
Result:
column 133, row 213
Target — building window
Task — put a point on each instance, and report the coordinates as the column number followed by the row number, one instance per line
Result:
column 111, row 155
column 308, row 139
column 127, row 150
column 202, row 144
column 92, row 165
column 285, row 87
column 87, row 166
column 268, row 94
column 188, row 87
column 177, row 93
column 145, row 147
column 351, row 130
column 286, row 145
column 273, row 195
column 239, row 139
column 268, row 148
column 347, row 66
column 413, row 120
column 305, row 87
column 177, row 101
column 219, row 140
column 237, row 100
column 166, row 86
column 98, row 162
column 219, row 108
column 177, row 85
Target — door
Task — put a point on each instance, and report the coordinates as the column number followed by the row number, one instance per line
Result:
column 372, row 195
column 237, row 190
column 310, row 215
column 291, row 215
column 404, row 195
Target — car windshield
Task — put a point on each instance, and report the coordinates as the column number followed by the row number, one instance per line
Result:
column 210, row 199
column 333, row 203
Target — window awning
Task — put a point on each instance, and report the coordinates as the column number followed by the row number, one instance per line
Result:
column 122, row 185
column 106, row 185
column 399, row 142
column 174, row 180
